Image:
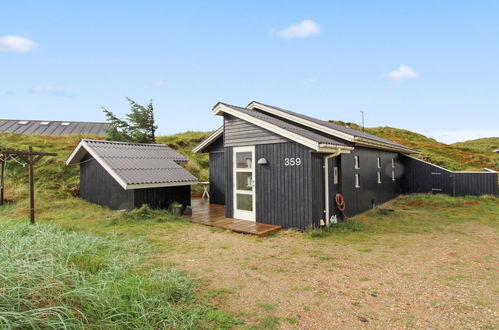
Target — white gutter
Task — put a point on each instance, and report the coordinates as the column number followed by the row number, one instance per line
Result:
column 326, row 183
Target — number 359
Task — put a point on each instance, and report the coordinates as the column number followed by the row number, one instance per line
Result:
column 292, row 161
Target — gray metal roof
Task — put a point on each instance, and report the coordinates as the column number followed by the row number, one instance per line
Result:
column 136, row 163
column 337, row 127
column 319, row 138
column 53, row 128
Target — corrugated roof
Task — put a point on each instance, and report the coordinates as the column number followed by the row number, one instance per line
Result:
column 133, row 164
column 53, row 128
column 321, row 139
column 342, row 129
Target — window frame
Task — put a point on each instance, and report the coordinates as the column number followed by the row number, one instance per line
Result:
column 379, row 162
column 357, row 180
column 356, row 162
column 379, row 177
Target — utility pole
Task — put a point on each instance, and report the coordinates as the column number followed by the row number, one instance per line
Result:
column 363, row 127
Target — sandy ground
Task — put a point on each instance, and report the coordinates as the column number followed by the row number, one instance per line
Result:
column 434, row 280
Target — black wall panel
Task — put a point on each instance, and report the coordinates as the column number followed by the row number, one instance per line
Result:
column 99, row 187
column 423, row 177
column 370, row 192
column 467, row 183
column 284, row 193
column 218, row 177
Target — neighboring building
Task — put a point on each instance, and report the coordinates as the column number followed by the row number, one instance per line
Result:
column 52, row 128
column 278, row 167
column 123, row 175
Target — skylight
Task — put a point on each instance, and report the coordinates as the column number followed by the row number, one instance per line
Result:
column 44, row 123
column 22, row 122
column 65, row 124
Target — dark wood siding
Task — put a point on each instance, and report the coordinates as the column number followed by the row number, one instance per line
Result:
column 217, row 145
column 218, row 177
column 284, row 193
column 99, row 187
column 423, row 177
column 162, row 198
column 334, row 188
column 229, row 203
column 238, row 132
column 475, row 183
column 370, row 192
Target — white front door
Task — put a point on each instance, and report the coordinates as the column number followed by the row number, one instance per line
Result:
column 244, row 183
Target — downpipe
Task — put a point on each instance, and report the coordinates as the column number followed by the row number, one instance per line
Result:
column 326, row 184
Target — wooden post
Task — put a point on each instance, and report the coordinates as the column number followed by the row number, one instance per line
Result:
column 2, row 173
column 28, row 158
column 31, row 187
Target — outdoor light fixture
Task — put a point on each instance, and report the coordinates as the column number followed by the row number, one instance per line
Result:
column 262, row 161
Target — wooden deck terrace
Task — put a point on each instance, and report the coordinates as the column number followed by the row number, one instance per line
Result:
column 214, row 215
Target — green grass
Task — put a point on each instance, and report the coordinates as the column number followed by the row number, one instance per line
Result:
column 55, row 278
column 418, row 213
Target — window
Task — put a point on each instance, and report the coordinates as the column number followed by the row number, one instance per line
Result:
column 65, row 124
column 393, row 175
column 335, row 175
column 357, row 181
column 44, row 123
column 379, row 177
column 22, row 122
column 379, row 162
column 393, row 162
column 357, row 162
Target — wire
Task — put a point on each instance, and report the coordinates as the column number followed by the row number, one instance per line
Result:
column 22, row 164
column 83, row 162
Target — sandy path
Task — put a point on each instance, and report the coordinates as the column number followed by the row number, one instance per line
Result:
column 437, row 280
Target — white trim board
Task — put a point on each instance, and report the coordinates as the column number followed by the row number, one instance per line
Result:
column 349, row 137
column 222, row 108
column 206, row 142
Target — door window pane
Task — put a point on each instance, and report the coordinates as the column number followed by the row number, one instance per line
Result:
column 244, row 202
column 243, row 160
column 244, row 181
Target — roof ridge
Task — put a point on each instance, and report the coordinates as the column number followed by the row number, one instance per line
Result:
column 129, row 143
column 58, row 121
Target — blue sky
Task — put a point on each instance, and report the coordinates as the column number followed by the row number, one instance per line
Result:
column 428, row 66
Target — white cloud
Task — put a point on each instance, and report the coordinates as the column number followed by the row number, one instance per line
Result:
column 16, row 44
column 304, row 29
column 402, row 73
column 49, row 90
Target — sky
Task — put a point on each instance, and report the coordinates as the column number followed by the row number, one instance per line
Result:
column 426, row 66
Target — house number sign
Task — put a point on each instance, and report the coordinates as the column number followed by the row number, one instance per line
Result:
column 292, row 161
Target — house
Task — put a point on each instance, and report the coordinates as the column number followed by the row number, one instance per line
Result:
column 52, row 128
column 279, row 167
column 123, row 175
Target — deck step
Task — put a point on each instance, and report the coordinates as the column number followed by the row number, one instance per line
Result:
column 214, row 215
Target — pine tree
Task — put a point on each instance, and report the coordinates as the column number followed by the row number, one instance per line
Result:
column 138, row 126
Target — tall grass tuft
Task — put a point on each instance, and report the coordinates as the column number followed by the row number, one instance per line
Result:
column 54, row 278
